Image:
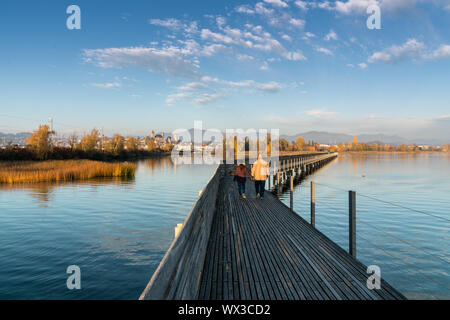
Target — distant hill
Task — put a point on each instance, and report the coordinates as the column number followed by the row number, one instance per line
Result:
column 335, row 138
column 15, row 138
column 321, row 137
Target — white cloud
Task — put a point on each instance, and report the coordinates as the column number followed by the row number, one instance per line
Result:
column 308, row 35
column 193, row 86
column 362, row 65
column 270, row 87
column 175, row 24
column 172, row 99
column 360, row 6
column 263, row 41
column 264, row 67
column 286, row 37
column 350, row 6
column 295, row 56
column 320, row 113
column 442, row 52
column 167, row 23
column 302, row 5
column 380, row 57
column 261, row 9
column 217, row 37
column 168, row 60
column 221, row 21
column 325, row 51
column 277, row 3
column 410, row 49
column 207, row 98
column 243, row 57
column 331, row 36
column 299, row 23
column 110, row 85
column 212, row 49
column 192, row 91
column 245, row 9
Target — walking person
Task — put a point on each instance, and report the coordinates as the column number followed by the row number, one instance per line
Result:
column 240, row 177
column 260, row 172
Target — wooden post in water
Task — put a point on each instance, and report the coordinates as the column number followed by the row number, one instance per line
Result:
column 292, row 192
column 352, row 223
column 278, row 183
column 313, row 204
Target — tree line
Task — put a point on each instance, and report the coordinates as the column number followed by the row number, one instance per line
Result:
column 354, row 146
column 40, row 146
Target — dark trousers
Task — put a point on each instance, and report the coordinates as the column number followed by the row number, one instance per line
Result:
column 241, row 187
column 260, row 186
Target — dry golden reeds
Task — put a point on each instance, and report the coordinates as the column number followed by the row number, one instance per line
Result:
column 67, row 170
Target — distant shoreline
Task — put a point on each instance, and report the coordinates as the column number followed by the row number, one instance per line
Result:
column 394, row 152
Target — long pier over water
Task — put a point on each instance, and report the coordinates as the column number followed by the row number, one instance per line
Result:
column 235, row 249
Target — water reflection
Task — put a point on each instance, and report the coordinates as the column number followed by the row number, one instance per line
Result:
column 156, row 164
column 43, row 191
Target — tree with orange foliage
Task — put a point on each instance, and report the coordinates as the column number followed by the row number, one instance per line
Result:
column 90, row 141
column 131, row 144
column 40, row 142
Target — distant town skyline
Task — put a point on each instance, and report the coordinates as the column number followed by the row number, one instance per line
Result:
column 294, row 65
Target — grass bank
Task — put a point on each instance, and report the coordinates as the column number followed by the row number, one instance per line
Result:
column 68, row 170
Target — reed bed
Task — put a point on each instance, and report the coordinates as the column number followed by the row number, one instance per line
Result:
column 65, row 170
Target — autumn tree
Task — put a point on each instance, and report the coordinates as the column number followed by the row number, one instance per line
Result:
column 131, row 144
column 299, row 144
column 151, row 145
column 90, row 141
column 115, row 146
column 284, row 145
column 40, row 142
column 403, row 148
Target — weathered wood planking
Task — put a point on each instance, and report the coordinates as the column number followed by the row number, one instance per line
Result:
column 260, row 249
column 233, row 249
column 179, row 273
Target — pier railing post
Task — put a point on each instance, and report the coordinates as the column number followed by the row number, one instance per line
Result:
column 313, row 204
column 278, row 183
column 352, row 223
column 292, row 193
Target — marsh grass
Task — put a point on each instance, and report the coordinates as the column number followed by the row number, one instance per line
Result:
column 67, row 170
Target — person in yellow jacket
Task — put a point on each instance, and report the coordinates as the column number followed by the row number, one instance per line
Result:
column 260, row 172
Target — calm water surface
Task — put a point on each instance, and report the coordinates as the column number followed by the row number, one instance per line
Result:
column 118, row 231
column 410, row 246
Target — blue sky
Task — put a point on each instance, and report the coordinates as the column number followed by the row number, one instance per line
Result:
column 293, row 65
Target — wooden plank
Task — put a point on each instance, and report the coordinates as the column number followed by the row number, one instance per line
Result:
column 262, row 250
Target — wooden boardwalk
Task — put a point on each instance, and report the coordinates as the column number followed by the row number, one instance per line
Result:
column 261, row 250
column 253, row 249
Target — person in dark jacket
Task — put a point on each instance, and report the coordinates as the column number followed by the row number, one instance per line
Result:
column 240, row 177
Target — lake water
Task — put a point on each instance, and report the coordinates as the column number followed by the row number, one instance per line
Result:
column 118, row 231
column 410, row 246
